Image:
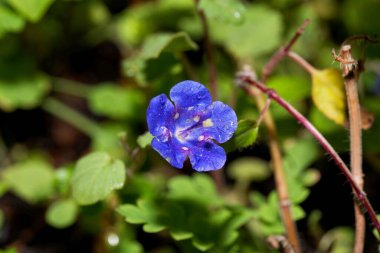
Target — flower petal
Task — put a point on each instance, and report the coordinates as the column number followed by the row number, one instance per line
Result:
column 160, row 115
column 170, row 151
column 206, row 156
column 220, row 124
column 189, row 93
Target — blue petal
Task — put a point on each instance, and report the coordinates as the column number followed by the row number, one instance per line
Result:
column 206, row 156
column 160, row 115
column 189, row 93
column 170, row 151
column 220, row 124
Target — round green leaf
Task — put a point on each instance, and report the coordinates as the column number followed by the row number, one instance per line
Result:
column 249, row 169
column 23, row 92
column 32, row 180
column 116, row 102
column 62, row 213
column 95, row 176
column 10, row 21
column 33, row 10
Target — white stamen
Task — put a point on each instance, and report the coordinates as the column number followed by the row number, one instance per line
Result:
column 196, row 118
column 185, row 148
column 176, row 116
column 201, row 137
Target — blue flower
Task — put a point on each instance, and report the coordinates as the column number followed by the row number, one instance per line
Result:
column 191, row 126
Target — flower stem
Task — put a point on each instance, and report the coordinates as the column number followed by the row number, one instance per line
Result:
column 64, row 112
column 244, row 79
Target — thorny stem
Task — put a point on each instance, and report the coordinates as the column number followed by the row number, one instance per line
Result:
column 282, row 52
column 244, row 78
column 350, row 75
column 213, row 82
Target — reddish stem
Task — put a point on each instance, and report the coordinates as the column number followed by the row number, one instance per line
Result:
column 282, row 52
column 244, row 78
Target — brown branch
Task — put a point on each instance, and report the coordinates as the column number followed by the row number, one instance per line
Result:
column 282, row 52
column 350, row 75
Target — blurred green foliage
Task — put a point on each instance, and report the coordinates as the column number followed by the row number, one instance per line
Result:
column 95, row 64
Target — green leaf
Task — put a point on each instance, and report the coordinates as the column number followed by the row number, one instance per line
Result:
column 62, row 213
column 145, row 212
column 155, row 44
column 259, row 34
column 145, row 139
column 228, row 11
column 62, row 179
column 32, row 180
column 33, row 10
column 245, row 135
column 116, row 102
column 9, row 21
column 95, row 176
column 198, row 189
column 297, row 212
column 311, row 177
column 247, row 169
column 328, row 94
column 291, row 88
column 23, row 92
column 8, row 250
column 374, row 231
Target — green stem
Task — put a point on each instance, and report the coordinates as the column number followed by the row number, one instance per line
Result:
column 71, row 87
column 64, row 112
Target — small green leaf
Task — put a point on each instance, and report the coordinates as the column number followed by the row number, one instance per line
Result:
column 62, row 213
column 311, row 177
column 9, row 21
column 116, row 102
column 228, row 11
column 32, row 180
column 374, row 231
column 8, row 250
column 155, row 44
column 328, row 94
column 145, row 212
column 22, row 92
column 245, row 135
column 62, row 179
column 247, row 169
column 95, row 176
column 33, row 10
column 145, row 139
column 199, row 189
column 297, row 212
